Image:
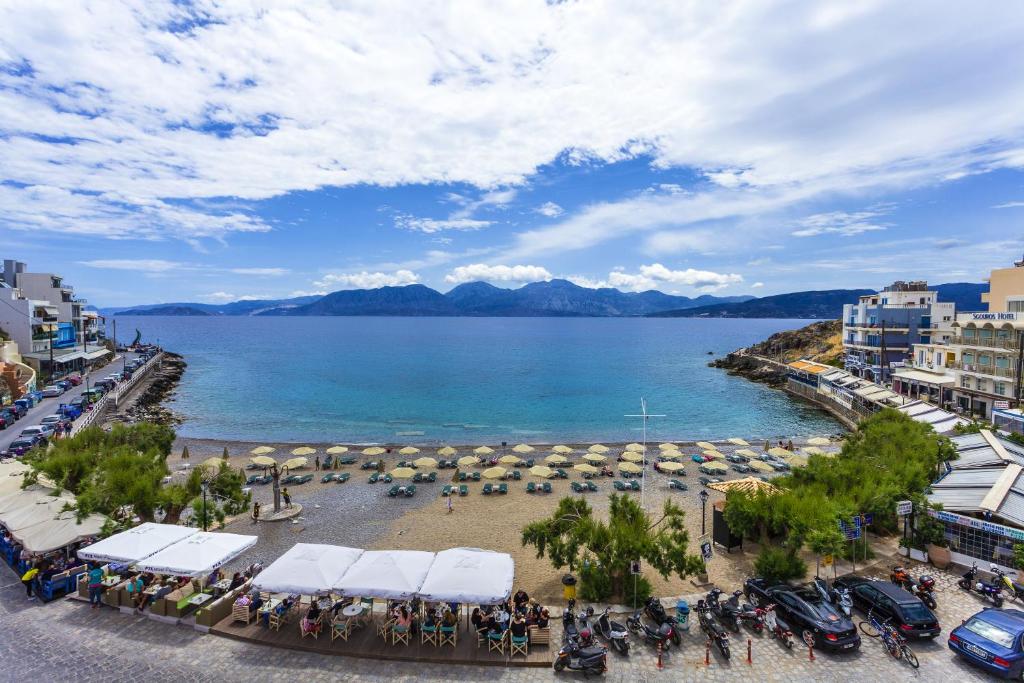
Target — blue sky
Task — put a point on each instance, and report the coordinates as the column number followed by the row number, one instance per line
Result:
column 173, row 151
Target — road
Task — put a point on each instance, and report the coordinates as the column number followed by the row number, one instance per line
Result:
column 48, row 406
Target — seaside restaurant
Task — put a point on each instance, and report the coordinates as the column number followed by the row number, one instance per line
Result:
column 982, row 498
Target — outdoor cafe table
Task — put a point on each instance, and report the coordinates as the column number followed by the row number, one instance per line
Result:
column 221, row 586
column 111, row 581
column 353, row 610
column 199, row 598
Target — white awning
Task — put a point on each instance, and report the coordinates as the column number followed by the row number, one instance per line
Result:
column 137, row 543
column 390, row 574
column 198, row 554
column 924, row 377
column 469, row 575
column 58, row 533
column 307, row 569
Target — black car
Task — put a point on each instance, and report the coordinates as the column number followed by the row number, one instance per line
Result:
column 9, row 415
column 889, row 601
column 816, row 621
column 23, row 445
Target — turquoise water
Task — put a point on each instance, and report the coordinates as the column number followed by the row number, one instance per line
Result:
column 469, row 380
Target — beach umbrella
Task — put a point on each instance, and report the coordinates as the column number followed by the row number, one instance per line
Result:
column 818, row 441
column 483, row 450
column 705, row 446
column 403, row 472
column 715, row 455
column 425, row 462
column 509, row 459
column 629, row 456
column 262, row 450
column 446, row 451
column 408, row 450
column 668, row 446
column 598, row 448
column 715, row 467
column 303, row 450
column 760, row 466
column 564, row 450
column 585, row 468
column 634, row 447
column 812, row 450
column 213, row 463
column 337, row 450
column 556, row 459
column 594, row 457
column 747, row 452
column 541, row 471
column 467, row 460
column 796, row 460
column 522, row 448
column 631, row 467
column 778, row 452
column 671, row 466
column 671, row 455
column 373, row 450
column 736, row 441
column 263, row 461
column 295, row 463
column 494, row 473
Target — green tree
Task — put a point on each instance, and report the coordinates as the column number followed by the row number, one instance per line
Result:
column 826, row 540
column 572, row 533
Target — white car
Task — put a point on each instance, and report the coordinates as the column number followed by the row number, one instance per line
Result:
column 45, row 431
column 52, row 420
column 52, row 390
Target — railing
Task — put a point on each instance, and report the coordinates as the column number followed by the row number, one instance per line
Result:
column 988, row 343
column 984, row 369
column 119, row 391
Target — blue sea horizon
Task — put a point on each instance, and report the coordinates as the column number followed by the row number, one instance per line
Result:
column 469, row 380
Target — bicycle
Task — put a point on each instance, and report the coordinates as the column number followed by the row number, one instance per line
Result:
column 895, row 643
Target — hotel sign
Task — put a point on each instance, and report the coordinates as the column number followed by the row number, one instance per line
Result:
column 993, row 316
column 997, row 529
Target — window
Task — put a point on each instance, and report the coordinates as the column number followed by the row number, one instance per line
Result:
column 1015, row 306
column 968, row 358
column 1002, row 362
column 984, row 359
column 1000, row 388
column 990, row 631
column 982, row 384
column 965, row 382
column 969, row 332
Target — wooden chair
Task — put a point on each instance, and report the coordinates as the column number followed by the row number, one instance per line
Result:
column 520, row 645
column 538, row 635
column 399, row 634
column 311, row 628
column 496, row 641
column 242, row 613
column 428, row 634
column 449, row 636
column 481, row 638
column 384, row 628
column 275, row 619
column 341, row 628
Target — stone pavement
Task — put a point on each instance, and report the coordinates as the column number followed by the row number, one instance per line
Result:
column 65, row 640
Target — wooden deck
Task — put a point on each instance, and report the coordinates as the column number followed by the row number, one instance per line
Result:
column 365, row 644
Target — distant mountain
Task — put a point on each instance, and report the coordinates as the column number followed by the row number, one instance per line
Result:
column 552, row 298
column 243, row 307
column 173, row 309
column 826, row 304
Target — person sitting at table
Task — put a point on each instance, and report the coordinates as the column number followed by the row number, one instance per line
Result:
column 518, row 626
column 477, row 619
column 311, row 622
column 542, row 620
column 448, row 618
column 403, row 620
column 430, row 620
column 502, row 618
column 520, row 600
column 236, row 581
column 135, row 587
column 163, row 591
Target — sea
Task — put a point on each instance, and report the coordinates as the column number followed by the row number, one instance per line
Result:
column 470, row 380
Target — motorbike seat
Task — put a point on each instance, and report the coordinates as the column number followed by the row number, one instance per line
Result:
column 592, row 651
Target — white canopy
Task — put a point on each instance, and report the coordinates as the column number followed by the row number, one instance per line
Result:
column 198, row 554
column 34, row 510
column 33, row 515
column 392, row 574
column 57, row 533
column 307, row 569
column 136, row 544
column 469, row 575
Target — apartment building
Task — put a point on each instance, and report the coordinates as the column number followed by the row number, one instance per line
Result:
column 881, row 329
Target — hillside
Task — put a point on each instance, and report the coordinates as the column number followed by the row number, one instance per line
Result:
column 820, row 341
column 243, row 307
column 173, row 309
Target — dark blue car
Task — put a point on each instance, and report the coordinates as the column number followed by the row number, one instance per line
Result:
column 992, row 640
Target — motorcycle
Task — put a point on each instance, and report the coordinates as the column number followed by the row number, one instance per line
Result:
column 590, row 659
column 776, row 627
column 714, row 632
column 612, row 631
column 656, row 613
column 839, row 597
column 923, row 587
column 746, row 613
column 726, row 613
column 575, row 628
column 1015, row 589
column 662, row 634
column 970, row 582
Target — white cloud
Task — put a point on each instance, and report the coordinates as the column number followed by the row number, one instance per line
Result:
column 366, row 280
column 550, row 209
column 1009, row 205
column 757, row 285
column 840, row 223
column 656, row 276
column 266, row 272
column 253, row 104
column 140, row 265
column 219, row 297
column 487, row 273
column 432, row 225
column 584, row 281
column 303, row 292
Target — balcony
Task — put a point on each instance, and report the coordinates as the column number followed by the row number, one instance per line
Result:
column 986, row 343
column 900, row 327
column 990, row 370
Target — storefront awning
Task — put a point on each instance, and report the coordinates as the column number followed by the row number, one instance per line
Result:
column 923, row 377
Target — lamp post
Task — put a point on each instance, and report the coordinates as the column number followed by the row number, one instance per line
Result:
column 204, row 486
column 703, row 515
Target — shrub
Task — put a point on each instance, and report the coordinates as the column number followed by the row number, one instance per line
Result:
column 595, row 582
column 779, row 564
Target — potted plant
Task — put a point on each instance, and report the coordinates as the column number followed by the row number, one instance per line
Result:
column 930, row 533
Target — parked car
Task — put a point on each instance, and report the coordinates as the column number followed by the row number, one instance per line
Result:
column 64, row 384
column 26, row 402
column 52, row 390
column 18, row 410
column 78, row 402
column 817, row 621
column 75, row 380
column 992, row 640
column 906, row 611
column 9, row 415
column 45, row 431
column 21, row 446
column 57, row 422
column 4, row 424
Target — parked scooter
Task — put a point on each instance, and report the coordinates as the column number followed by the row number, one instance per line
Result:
column 713, row 630
column 612, row 631
column 660, row 634
column 840, row 597
column 575, row 628
column 970, row 582
column 776, row 627
column 1015, row 589
column 746, row 613
column 923, row 588
column 590, row 659
column 726, row 613
column 656, row 613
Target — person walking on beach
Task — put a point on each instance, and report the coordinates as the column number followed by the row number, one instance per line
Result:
column 287, row 498
column 316, row 464
column 255, row 512
column 450, row 509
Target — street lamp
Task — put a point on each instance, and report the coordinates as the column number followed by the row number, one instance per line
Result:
column 703, row 506
column 204, row 486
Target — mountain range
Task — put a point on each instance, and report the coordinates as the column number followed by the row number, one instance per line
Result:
column 552, row 298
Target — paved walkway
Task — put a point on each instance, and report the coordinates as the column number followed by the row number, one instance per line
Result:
column 67, row 640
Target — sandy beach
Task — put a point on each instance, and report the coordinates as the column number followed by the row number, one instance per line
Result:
column 360, row 514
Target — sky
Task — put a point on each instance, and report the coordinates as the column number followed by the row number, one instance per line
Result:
column 213, row 151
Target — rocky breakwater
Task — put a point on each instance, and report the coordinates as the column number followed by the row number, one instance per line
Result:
column 765, row 361
column 146, row 404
